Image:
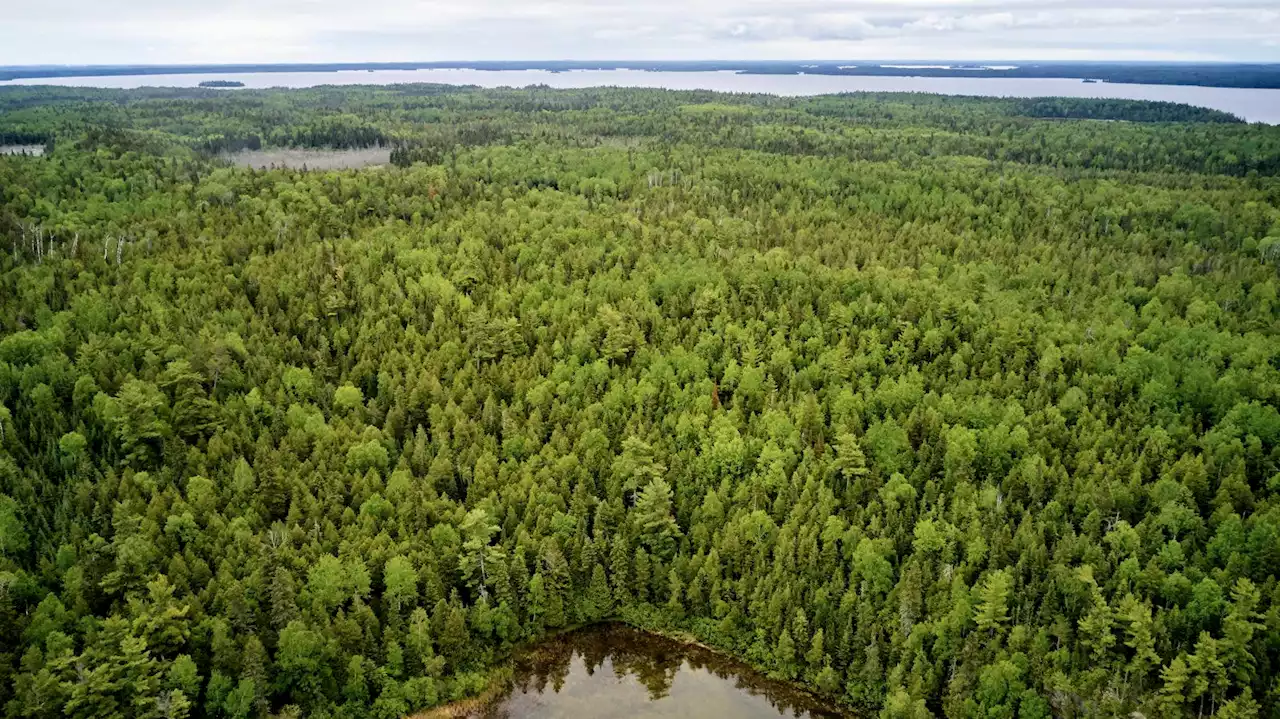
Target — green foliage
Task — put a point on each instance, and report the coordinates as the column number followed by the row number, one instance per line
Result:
column 655, row 527
column 13, row 532
column 348, row 398
column 934, row 407
column 992, row 610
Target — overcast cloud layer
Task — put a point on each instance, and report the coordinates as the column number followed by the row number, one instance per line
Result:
column 183, row 31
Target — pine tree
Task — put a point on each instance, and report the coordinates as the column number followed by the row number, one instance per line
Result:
column 1173, row 692
column 992, row 611
column 1139, row 637
column 816, row 656
column 642, row 575
column 1095, row 629
column 598, row 603
column 1241, row 707
column 1238, row 630
column 620, row 566
column 849, row 460
column 401, row 583
column 655, row 528
column 676, row 595
column 900, row 705
column 784, row 655
column 1208, row 675
column 478, row 553
column 455, row 638
column 827, row 680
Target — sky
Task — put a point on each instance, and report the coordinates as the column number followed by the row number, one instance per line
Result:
column 34, row 32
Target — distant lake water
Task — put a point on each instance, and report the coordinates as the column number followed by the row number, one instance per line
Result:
column 1254, row 105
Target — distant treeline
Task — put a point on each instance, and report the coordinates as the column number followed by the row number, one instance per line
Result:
column 1128, row 110
column 1207, row 74
column 426, row 122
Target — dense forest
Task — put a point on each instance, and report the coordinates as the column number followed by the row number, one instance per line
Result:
column 938, row 406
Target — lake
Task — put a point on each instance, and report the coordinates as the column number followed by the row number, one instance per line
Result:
column 1254, row 105
column 612, row 671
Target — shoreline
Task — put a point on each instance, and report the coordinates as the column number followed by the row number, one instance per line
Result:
column 502, row 673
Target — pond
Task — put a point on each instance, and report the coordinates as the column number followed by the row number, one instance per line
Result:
column 311, row 159
column 32, row 150
column 612, row 670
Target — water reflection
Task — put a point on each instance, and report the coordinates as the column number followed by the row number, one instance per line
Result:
column 614, row 671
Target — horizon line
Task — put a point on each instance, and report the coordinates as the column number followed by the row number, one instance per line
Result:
column 461, row 62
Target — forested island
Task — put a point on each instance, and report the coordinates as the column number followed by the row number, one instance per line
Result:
column 933, row 406
column 222, row 83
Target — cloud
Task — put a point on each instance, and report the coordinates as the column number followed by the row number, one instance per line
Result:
column 162, row 31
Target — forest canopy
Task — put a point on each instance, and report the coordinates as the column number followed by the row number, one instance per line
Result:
column 938, row 406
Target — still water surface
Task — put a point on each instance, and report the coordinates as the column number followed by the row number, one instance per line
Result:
column 34, row 150
column 613, row 671
column 1254, row 105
